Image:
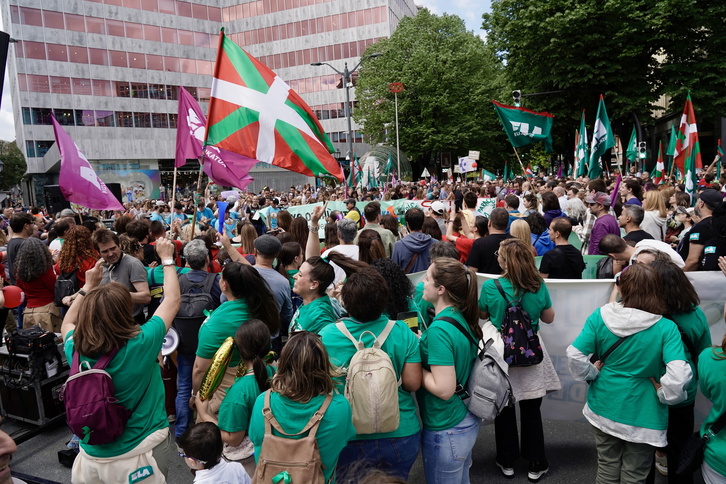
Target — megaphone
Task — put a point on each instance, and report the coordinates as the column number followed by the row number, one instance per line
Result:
column 170, row 343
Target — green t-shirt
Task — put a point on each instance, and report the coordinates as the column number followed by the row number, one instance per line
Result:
column 422, row 306
column 444, row 345
column 401, row 346
column 137, row 381
column 712, row 375
column 695, row 327
column 336, row 427
column 220, row 325
column 236, row 409
column 623, row 392
column 291, row 276
column 492, row 302
column 313, row 316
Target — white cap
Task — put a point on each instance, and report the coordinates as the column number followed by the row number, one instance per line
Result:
column 438, row 208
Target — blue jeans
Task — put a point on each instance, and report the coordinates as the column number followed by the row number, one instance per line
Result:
column 184, row 366
column 395, row 455
column 447, row 453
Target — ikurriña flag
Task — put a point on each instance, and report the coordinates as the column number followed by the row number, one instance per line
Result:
column 77, row 180
column 687, row 145
column 253, row 112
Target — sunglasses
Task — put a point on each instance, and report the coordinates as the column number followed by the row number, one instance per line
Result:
column 182, row 454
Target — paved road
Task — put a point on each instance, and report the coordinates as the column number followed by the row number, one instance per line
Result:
column 570, row 451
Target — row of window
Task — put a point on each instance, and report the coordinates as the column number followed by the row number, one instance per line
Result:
column 326, row 53
column 90, row 117
column 252, row 9
column 117, row 28
column 330, row 23
column 173, row 7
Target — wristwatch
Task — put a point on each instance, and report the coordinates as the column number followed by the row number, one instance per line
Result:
column 167, row 262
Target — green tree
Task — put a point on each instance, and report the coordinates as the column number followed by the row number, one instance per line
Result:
column 14, row 166
column 449, row 76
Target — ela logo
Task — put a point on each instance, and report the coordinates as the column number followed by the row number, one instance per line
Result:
column 140, row 474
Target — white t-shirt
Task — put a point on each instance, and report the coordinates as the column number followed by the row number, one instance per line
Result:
column 223, row 473
column 351, row 251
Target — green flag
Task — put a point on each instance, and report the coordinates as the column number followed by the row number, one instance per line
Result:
column 602, row 140
column 389, row 166
column 671, row 150
column 524, row 126
column 506, row 172
column 690, row 178
column 631, row 152
column 582, row 148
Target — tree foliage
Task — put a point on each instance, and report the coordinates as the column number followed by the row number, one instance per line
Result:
column 449, row 75
column 14, row 166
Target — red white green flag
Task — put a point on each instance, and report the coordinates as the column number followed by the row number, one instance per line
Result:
column 528, row 172
column 659, row 172
column 687, row 145
column 253, row 112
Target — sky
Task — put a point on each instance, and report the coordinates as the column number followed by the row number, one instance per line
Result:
column 470, row 10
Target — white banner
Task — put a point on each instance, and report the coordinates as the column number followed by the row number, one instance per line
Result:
column 573, row 301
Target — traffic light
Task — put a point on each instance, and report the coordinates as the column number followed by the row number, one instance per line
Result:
column 517, row 96
column 642, row 150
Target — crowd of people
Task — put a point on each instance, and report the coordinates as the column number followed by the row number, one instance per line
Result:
column 294, row 309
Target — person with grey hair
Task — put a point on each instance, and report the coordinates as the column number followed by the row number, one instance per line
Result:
column 193, row 283
column 629, row 220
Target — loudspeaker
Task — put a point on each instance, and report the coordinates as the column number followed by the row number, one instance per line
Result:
column 54, row 200
column 116, row 190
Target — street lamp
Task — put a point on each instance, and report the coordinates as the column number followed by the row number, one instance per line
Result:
column 348, row 83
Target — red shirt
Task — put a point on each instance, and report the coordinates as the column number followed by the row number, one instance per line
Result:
column 463, row 245
column 41, row 291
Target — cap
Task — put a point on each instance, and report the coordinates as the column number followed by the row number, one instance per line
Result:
column 711, row 197
column 350, row 200
column 268, row 245
column 67, row 212
column 438, row 208
column 599, row 197
column 160, row 203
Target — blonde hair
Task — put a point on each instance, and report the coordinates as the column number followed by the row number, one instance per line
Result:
column 520, row 229
column 304, row 370
column 654, row 201
column 520, row 271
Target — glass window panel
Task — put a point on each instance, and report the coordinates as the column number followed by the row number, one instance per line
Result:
column 95, row 25
column 314, row 55
column 42, row 147
column 23, row 82
column 118, row 58
column 320, row 25
column 354, row 49
column 305, row 56
column 159, row 120
column 343, row 20
column 53, row 20
column 150, row 5
column 337, row 52
column 227, row 13
column 172, row 120
column 360, row 18
column 189, row 66
column 78, row 54
column 172, row 92
column 56, row 52
column 30, row 149
column 351, row 20
column 26, row 116
column 204, row 67
column 81, row 87
column 139, row 90
column 152, row 32
column 41, row 116
column 316, row 84
column 105, row 118
column 124, row 119
column 157, row 91
column 201, row 39
column 34, row 50
column 85, row 117
column 171, row 64
column 19, row 49
column 312, row 26
column 329, row 23
column 132, row 4
column 253, row 9
column 154, row 62
column 101, row 87
column 64, row 117
column 199, row 11
column 204, row 93
column 121, row 89
column 167, row 6
column 14, row 14
column 192, row 91
column 378, row 14
column 168, row 35
column 142, row 120
column 31, row 16
column 336, row 22
column 215, row 14
column 118, row 3
column 243, row 11
column 134, row 31
column 115, row 27
column 60, row 85
column 186, row 37
column 184, row 9
column 137, row 60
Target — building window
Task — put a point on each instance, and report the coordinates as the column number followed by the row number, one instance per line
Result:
column 157, row 91
column 172, row 120
column 42, row 147
column 204, row 67
column 64, row 117
column 75, row 22
column 154, row 62
column 134, row 31
column 105, row 118
column 95, row 25
column 30, row 149
column 31, row 16
column 167, row 6
column 34, row 50
column 60, row 85
column 98, row 56
column 152, row 32
column 199, row 11
column 118, row 58
column 184, row 9
column 124, row 119
column 186, row 37
column 121, row 89
column 101, row 87
column 203, row 94
column 53, row 20
column 171, row 64
column 168, row 35
column 85, row 117
column 38, row 83
column 56, row 52
column 81, row 86
column 137, row 60
column 192, row 91
column 78, row 54
column 26, row 116
column 142, row 120
column 140, row 90
column 189, row 66
column 159, row 120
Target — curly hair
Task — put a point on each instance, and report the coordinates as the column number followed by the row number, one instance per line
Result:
column 400, row 288
column 76, row 247
column 33, row 260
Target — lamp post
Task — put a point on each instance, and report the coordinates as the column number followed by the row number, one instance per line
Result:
column 348, row 83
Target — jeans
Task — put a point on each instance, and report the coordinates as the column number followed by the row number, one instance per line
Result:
column 447, row 453
column 395, row 455
column 505, row 433
column 184, row 366
column 620, row 461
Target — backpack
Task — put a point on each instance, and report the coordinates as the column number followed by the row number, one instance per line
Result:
column 65, row 285
column 371, row 384
column 489, row 390
column 92, row 410
column 297, row 459
column 521, row 343
column 196, row 298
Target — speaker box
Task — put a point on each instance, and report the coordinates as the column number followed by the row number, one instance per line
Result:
column 116, row 190
column 54, row 200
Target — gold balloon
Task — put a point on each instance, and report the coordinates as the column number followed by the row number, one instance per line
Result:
column 215, row 373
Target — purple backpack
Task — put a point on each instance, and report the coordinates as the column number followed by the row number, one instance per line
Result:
column 92, row 409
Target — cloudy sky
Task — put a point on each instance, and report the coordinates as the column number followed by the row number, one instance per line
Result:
column 469, row 10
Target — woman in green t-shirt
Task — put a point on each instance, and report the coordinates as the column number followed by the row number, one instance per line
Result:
column 530, row 383
column 712, row 375
column 311, row 282
column 450, row 430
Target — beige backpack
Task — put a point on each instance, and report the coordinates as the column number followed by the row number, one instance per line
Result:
column 298, row 461
column 371, row 385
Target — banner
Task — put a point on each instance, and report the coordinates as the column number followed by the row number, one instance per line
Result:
column 573, row 302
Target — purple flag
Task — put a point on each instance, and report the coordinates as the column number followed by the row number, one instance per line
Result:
column 559, row 171
column 616, row 189
column 78, row 181
column 223, row 167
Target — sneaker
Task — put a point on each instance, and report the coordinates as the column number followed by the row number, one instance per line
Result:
column 537, row 470
column 171, row 418
column 507, row 469
column 661, row 463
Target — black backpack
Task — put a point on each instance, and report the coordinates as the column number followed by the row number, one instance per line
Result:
column 196, row 298
column 65, row 285
column 521, row 343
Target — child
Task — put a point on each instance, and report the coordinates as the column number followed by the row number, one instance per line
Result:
column 202, row 451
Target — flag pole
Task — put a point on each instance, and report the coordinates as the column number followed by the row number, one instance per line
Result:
column 173, row 190
column 524, row 172
column 199, row 184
